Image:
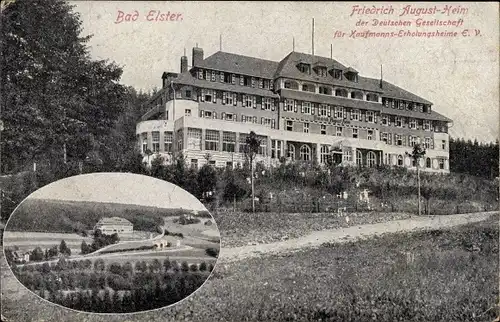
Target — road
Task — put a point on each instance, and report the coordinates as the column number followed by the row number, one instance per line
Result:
column 317, row 238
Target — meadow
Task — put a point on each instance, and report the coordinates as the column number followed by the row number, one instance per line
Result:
column 437, row 275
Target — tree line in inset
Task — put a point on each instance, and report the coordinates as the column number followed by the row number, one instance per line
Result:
column 97, row 287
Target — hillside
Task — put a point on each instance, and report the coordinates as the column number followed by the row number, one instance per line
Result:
column 47, row 215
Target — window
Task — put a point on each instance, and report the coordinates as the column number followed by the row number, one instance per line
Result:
column 385, row 120
column 266, row 83
column 322, row 71
column 413, row 124
column 371, row 159
column 359, row 158
column 372, row 97
column 428, row 163
column 289, row 104
column 248, row 119
column 228, row 141
column 399, row 121
column 341, row 92
column 253, row 82
column 306, row 107
column 306, row 127
column 276, row 147
column 228, row 116
column 267, row 121
column 187, row 112
column 355, row 115
column 384, row 138
column 194, row 163
column 370, row 117
column 211, row 163
column 305, row 68
column 207, row 114
column 323, row 129
column 441, row 164
column 347, row 155
column 289, row 125
column 337, row 74
column 413, row 140
column 355, row 133
column 338, row 131
column 427, row 143
column 242, row 142
column 400, row 160
column 443, row 144
column 212, row 140
column 167, row 141
column 399, row 139
column 305, row 152
column 213, row 76
column 291, row 151
column 208, row 95
column 324, row 153
column 247, row 81
column 339, row 112
column 357, row 95
column 249, row 100
column 427, row 125
column 229, row 98
column 200, row 73
column 267, row 103
column 263, row 145
column 323, row 110
column 155, row 141
column 144, row 142
column 188, row 94
column 179, row 138
column 261, row 83
column 370, row 135
column 194, row 139
column 324, row 90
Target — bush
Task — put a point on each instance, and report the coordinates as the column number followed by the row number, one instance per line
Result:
column 214, row 252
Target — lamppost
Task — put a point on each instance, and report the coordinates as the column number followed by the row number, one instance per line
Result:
column 417, row 154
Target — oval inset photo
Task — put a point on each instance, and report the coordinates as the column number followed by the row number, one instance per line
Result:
column 111, row 243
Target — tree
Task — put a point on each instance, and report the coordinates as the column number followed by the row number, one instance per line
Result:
column 207, row 180
column 37, row 254
column 57, row 103
column 417, row 154
column 64, row 249
column 251, row 150
column 85, row 248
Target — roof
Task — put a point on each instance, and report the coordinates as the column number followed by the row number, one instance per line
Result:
column 188, row 79
column 113, row 221
column 239, row 64
column 353, row 103
column 393, row 91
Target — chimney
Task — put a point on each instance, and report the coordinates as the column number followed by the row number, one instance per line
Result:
column 184, row 64
column 197, row 56
column 381, row 77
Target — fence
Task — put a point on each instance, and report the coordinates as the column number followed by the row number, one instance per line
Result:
column 437, row 207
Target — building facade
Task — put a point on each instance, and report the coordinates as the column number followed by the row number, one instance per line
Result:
column 111, row 225
column 303, row 108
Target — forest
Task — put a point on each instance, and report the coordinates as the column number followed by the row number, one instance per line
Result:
column 114, row 288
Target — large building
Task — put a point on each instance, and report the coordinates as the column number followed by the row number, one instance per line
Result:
column 303, row 107
column 111, row 225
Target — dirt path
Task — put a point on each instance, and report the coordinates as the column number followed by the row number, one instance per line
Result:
column 317, row 238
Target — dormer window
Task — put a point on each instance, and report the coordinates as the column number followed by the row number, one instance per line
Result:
column 305, row 68
column 351, row 74
column 337, row 74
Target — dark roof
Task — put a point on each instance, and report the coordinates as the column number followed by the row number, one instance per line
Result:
column 426, row 116
column 393, row 91
column 353, row 103
column 288, row 68
column 351, row 70
column 239, row 64
column 188, row 79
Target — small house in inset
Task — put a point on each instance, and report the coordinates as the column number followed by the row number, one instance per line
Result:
column 111, row 225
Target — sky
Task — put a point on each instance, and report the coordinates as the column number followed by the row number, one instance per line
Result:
column 460, row 75
column 122, row 188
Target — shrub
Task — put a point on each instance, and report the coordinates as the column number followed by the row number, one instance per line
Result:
column 214, row 252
